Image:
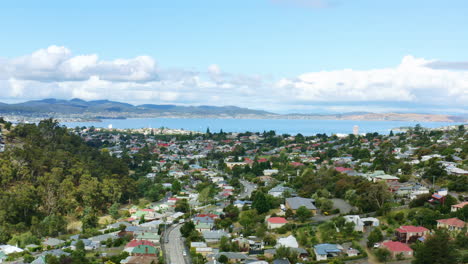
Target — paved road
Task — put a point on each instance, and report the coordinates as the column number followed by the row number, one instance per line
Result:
column 174, row 247
column 248, row 189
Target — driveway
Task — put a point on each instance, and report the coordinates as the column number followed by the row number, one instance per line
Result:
column 341, row 204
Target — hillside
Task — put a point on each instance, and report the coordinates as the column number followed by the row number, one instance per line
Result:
column 47, row 174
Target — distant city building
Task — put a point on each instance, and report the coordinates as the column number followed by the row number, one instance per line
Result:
column 356, row 130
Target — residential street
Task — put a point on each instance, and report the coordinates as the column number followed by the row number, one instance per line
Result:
column 174, row 247
column 248, row 189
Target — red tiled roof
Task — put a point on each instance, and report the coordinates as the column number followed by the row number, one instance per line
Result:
column 297, row 164
column 342, row 169
column 277, row 220
column 262, row 160
column 452, row 222
column 396, row 246
column 136, row 243
column 412, row 229
column 207, row 215
column 460, row 205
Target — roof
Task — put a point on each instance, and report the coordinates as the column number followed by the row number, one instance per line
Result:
column 7, row 249
column 214, row 234
column 460, row 205
column 50, row 241
column 144, row 249
column 296, row 202
column 342, row 169
column 289, row 241
column 412, row 229
column 281, row 261
column 277, row 220
column 395, row 246
column 231, row 255
column 135, row 243
column 452, row 222
column 324, row 249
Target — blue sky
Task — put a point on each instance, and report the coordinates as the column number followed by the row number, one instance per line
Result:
column 252, row 46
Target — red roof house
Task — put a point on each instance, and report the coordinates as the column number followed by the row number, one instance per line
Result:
column 453, row 224
column 459, row 206
column 136, row 243
column 276, row 222
column 408, row 234
column 397, row 248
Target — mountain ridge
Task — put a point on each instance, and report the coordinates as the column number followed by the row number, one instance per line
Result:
column 100, row 109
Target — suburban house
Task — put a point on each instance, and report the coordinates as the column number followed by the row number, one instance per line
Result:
column 140, row 260
column 135, row 243
column 396, row 248
column 361, row 223
column 279, row 190
column 289, row 242
column 214, row 236
column 325, row 251
column 452, row 224
column 233, row 257
column 459, row 206
column 408, row 234
column 144, row 250
column 276, row 222
column 294, row 203
column 380, row 175
column 51, row 242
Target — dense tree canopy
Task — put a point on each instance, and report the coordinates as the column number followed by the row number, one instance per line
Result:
column 48, row 173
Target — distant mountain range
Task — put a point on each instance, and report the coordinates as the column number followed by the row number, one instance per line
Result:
column 100, row 109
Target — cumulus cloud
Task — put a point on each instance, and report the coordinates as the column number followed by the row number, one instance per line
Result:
column 411, row 82
column 57, row 72
column 57, row 64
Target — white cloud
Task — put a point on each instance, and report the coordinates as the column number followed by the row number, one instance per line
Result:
column 411, row 81
column 56, row 72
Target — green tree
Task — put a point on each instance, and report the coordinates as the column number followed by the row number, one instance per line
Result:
column 89, row 219
column 382, row 254
column 374, row 237
column 114, row 210
column 223, row 259
column 438, row 248
column 303, row 214
column 260, row 202
column 187, row 228
column 224, row 244
column 182, row 205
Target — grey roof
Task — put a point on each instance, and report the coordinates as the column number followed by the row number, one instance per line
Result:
column 296, row 202
column 214, row 234
column 55, row 252
column 117, row 225
column 104, row 237
column 281, row 261
column 281, row 189
column 51, row 241
column 230, row 255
